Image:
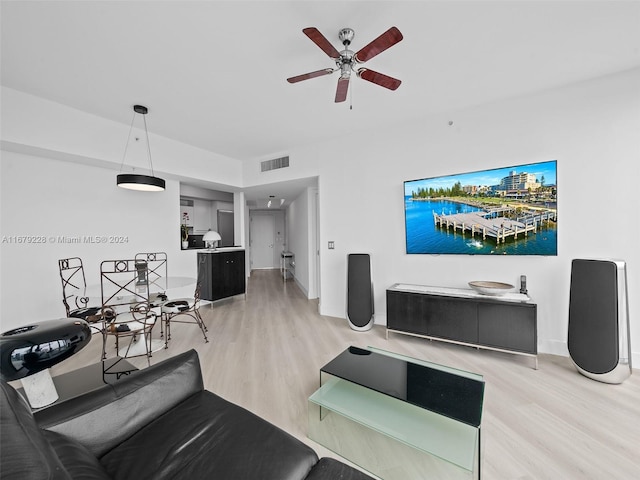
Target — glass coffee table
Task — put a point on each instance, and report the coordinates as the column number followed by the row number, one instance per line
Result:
column 399, row 417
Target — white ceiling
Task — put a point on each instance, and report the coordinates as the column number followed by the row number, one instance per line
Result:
column 213, row 73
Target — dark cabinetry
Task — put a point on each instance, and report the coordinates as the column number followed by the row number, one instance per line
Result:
column 222, row 274
column 511, row 327
column 450, row 318
column 405, row 312
column 481, row 321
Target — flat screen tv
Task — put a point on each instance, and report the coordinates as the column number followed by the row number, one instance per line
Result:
column 502, row 211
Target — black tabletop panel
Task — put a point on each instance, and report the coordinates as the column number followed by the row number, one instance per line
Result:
column 446, row 393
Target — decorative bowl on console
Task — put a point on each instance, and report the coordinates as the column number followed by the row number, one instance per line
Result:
column 491, row 288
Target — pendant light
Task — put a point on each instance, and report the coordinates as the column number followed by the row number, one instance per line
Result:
column 131, row 181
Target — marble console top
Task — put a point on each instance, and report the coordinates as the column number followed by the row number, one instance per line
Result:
column 460, row 292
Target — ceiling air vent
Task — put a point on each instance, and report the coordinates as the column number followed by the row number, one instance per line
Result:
column 274, row 164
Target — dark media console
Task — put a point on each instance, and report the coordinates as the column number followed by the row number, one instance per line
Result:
column 506, row 323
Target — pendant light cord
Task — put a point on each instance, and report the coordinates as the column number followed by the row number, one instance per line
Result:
column 126, row 147
column 144, row 119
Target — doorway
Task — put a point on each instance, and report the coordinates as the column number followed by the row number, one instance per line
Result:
column 262, row 234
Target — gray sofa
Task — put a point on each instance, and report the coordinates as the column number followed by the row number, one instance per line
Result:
column 158, row 423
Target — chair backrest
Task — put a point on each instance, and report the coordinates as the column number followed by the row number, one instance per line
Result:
column 74, row 283
column 200, row 279
column 124, row 282
column 157, row 267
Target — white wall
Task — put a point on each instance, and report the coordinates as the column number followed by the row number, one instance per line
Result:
column 313, row 248
column 46, row 200
column 31, row 124
column 305, row 167
column 298, row 232
column 590, row 128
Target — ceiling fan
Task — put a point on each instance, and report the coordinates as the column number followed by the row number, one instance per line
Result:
column 346, row 60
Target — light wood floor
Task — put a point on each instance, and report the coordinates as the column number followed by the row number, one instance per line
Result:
column 265, row 353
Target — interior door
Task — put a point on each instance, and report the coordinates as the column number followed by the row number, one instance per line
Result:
column 262, row 232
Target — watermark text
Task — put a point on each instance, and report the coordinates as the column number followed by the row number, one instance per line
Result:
column 63, row 239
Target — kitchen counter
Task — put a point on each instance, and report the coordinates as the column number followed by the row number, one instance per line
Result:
column 219, row 249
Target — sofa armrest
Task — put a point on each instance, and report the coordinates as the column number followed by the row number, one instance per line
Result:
column 104, row 418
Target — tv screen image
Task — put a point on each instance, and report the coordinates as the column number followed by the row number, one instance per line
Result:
column 501, row 211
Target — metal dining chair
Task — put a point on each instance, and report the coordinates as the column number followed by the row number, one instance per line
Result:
column 184, row 310
column 125, row 306
column 74, row 293
column 157, row 271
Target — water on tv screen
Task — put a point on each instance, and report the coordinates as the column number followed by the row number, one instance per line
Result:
column 502, row 211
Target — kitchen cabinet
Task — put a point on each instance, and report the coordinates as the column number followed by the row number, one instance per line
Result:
column 506, row 323
column 202, row 212
column 197, row 214
column 223, row 273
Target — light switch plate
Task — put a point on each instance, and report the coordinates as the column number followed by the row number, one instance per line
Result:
column 332, row 245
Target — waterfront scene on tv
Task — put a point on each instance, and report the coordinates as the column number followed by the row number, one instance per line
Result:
column 502, row 211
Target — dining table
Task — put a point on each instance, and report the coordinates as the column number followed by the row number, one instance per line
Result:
column 166, row 285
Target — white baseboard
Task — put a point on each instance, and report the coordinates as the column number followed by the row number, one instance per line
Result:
column 301, row 287
column 554, row 347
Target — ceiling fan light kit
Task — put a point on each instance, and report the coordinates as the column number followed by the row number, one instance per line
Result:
column 346, row 60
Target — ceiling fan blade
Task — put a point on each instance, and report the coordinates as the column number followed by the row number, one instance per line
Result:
column 341, row 91
column 386, row 40
column 307, row 76
column 320, row 40
column 379, row 78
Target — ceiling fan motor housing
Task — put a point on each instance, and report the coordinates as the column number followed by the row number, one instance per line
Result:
column 345, row 67
column 345, row 62
column 346, row 36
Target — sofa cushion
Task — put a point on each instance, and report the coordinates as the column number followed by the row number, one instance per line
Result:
column 77, row 460
column 103, row 418
column 24, row 453
column 209, row 437
column 330, row 469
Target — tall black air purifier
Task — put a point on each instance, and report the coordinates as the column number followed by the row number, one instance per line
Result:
column 598, row 339
column 359, row 291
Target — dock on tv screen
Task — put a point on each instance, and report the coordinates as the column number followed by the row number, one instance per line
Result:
column 502, row 211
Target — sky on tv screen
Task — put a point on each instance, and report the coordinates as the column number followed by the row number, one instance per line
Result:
column 485, row 177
